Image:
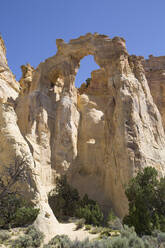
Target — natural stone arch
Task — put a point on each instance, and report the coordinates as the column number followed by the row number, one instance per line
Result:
column 127, row 99
column 103, row 49
column 111, row 56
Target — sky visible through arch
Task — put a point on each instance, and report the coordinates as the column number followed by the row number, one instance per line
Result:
column 87, row 65
column 30, row 28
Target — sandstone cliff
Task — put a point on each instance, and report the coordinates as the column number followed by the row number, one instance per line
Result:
column 100, row 135
column 14, row 145
column 155, row 74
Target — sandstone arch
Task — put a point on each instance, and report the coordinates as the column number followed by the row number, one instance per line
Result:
column 99, row 138
column 103, row 49
column 103, row 132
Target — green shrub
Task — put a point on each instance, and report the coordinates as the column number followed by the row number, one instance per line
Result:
column 32, row 238
column 9, row 204
column 59, row 242
column 120, row 243
column 25, row 216
column 106, row 232
column 64, row 199
column 80, row 223
column 88, row 80
column 95, row 230
column 150, row 241
column 116, row 224
column 4, row 235
column 161, row 237
column 111, row 216
column 80, row 244
column 88, row 227
column 128, row 239
column 113, row 221
column 90, row 211
column 127, row 232
column 86, row 201
column 16, row 212
column 146, row 196
column 22, row 242
column 36, row 235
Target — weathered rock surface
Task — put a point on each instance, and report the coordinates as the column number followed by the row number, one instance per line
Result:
column 155, row 74
column 13, row 145
column 99, row 135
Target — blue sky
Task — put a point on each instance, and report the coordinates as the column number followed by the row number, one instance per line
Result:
column 31, row 27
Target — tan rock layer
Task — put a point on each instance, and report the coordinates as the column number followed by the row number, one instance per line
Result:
column 14, row 145
column 155, row 73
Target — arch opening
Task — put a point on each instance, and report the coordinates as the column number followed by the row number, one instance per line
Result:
column 87, row 65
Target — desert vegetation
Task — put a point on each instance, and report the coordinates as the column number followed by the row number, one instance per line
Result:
column 146, row 196
column 145, row 221
column 127, row 239
column 14, row 210
column 146, row 218
column 31, row 238
column 66, row 202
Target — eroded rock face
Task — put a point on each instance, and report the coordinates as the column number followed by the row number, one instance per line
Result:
column 155, row 74
column 100, row 135
column 14, row 145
